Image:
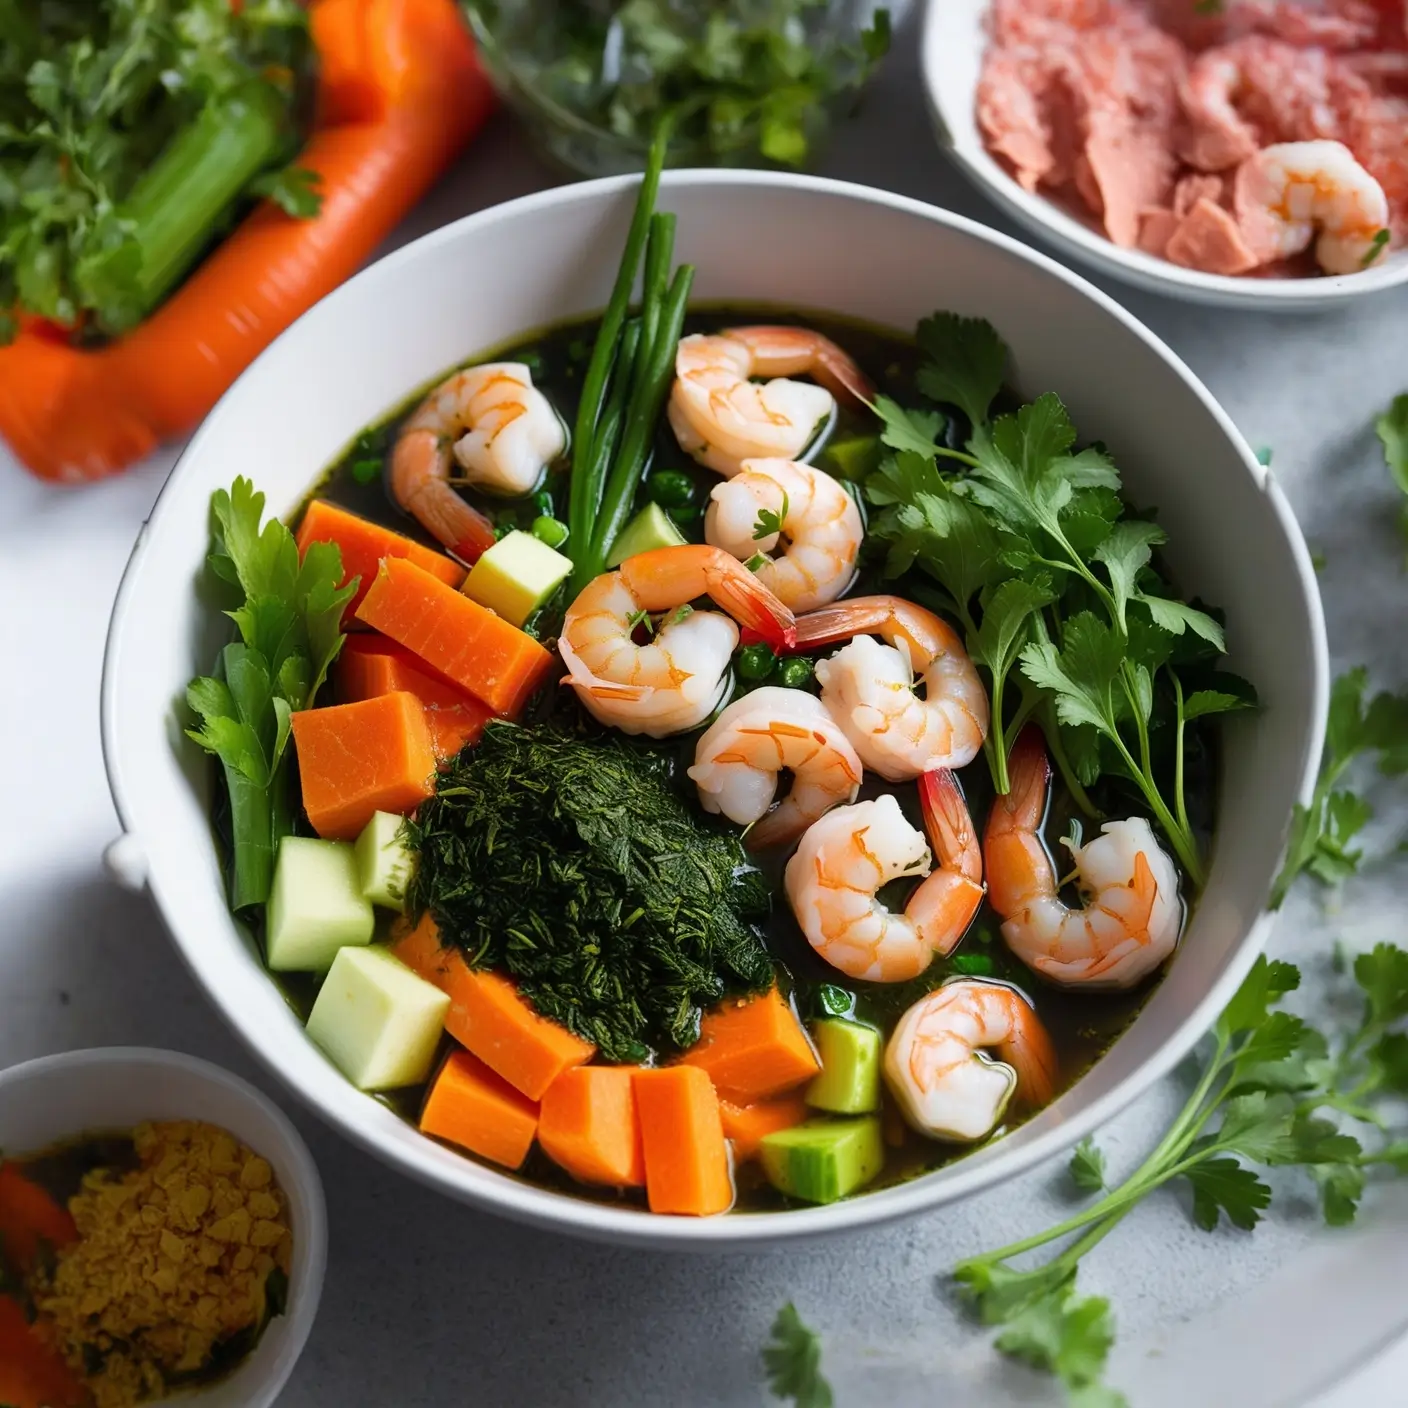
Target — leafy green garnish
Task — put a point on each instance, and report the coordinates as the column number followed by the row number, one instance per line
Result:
column 1056, row 589
column 1392, row 427
column 769, row 522
column 748, row 80
column 1377, row 245
column 1322, row 834
column 289, row 619
column 294, row 190
column 573, row 864
column 127, row 132
column 1274, row 1092
column 793, row 1362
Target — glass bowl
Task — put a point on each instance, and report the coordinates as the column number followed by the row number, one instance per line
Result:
column 751, row 82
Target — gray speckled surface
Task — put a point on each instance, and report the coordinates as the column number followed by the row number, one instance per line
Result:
column 428, row 1303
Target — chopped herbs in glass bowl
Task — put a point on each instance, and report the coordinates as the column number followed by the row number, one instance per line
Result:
column 749, row 82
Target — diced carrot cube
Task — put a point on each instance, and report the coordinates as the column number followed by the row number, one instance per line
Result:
column 363, row 544
column 746, row 1125
column 371, row 665
column 459, row 639
column 753, row 1047
column 471, row 1106
column 686, row 1159
column 356, row 759
column 589, row 1126
column 488, row 1016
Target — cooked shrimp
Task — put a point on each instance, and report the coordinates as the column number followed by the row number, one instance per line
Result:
column 1287, row 193
column 676, row 679
column 846, row 857
column 722, row 417
column 1132, row 916
column 500, row 429
column 738, row 761
column 870, row 687
column 820, row 530
column 937, row 1069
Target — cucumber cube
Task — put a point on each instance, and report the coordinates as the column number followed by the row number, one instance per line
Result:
column 651, row 528
column 849, row 1083
column 823, row 1160
column 385, row 861
column 516, row 576
column 378, row 1021
column 316, row 905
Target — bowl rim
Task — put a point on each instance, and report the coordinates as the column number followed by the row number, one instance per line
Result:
column 305, row 1295
column 1147, row 271
column 543, row 1208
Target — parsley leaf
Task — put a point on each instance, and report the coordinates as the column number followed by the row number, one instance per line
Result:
column 914, row 431
column 294, row 190
column 793, row 1362
column 1088, row 1167
column 1065, row 1336
column 1223, row 1187
column 289, row 621
column 1392, row 428
column 964, row 363
column 769, row 522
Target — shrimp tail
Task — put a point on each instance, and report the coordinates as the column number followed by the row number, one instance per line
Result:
column 948, row 823
column 1029, row 776
column 417, row 480
column 781, row 350
column 1030, row 1052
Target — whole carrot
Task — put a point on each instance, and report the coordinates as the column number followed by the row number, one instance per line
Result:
column 399, row 94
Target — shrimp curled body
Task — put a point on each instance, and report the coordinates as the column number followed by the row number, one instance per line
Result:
column 819, row 529
column 739, row 759
column 1293, row 194
column 937, row 1068
column 870, row 687
column 497, row 426
column 1132, row 916
column 844, row 860
column 673, row 680
column 722, row 417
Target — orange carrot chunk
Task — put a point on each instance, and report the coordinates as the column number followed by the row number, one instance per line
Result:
column 467, row 643
column 686, row 1160
column 32, row 1375
column 589, row 1126
column 370, row 665
column 753, row 1047
column 364, row 544
column 470, row 1106
column 356, row 759
column 489, row 1017
column 745, row 1125
column 28, row 1217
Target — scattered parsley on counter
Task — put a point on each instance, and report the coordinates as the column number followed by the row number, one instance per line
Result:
column 1392, row 427
column 793, row 1362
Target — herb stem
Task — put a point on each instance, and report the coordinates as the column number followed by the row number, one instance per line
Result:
column 1052, row 730
column 1179, row 800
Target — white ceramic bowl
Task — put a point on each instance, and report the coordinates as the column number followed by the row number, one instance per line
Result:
column 802, row 243
column 56, row 1098
column 954, row 41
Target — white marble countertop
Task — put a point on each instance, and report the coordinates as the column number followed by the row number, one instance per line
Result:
column 428, row 1303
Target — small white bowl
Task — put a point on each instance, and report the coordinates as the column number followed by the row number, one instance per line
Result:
column 57, row 1098
column 792, row 241
column 954, row 41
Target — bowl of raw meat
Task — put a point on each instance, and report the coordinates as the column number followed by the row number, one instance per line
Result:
column 1251, row 154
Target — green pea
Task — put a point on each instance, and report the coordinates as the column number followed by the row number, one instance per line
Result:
column 550, row 530
column 670, row 488
column 755, row 662
column 795, row 673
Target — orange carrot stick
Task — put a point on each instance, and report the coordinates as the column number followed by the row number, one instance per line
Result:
column 356, row 759
column 32, row 1375
column 489, row 1017
column 753, row 1047
column 686, row 1159
column 588, row 1125
column 363, row 544
column 471, row 1106
column 28, row 1216
column 399, row 94
column 746, row 1125
column 456, row 637
column 370, row 665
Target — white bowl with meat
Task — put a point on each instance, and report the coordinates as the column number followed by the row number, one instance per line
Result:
column 1250, row 155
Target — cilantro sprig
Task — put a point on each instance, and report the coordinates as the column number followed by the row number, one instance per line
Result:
column 289, row 621
column 1055, row 587
column 1322, row 834
column 1392, row 428
column 793, row 1362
